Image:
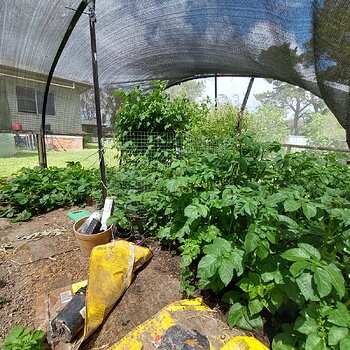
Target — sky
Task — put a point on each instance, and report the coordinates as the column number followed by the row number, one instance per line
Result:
column 234, row 88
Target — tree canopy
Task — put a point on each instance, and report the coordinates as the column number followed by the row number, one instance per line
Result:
column 192, row 89
column 295, row 101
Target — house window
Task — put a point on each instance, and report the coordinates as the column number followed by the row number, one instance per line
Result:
column 30, row 100
column 50, row 105
column 26, row 101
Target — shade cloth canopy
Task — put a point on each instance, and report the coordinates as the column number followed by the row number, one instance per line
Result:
column 302, row 42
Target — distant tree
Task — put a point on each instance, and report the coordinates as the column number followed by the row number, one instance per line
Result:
column 268, row 123
column 329, row 48
column 110, row 103
column 323, row 129
column 295, row 102
column 192, row 89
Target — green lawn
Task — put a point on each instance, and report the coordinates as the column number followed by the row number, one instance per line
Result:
column 87, row 157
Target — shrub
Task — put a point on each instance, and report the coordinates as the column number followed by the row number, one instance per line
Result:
column 155, row 111
column 150, row 122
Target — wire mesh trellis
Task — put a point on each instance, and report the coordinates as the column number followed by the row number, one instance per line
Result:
column 144, row 152
column 159, row 146
column 164, row 146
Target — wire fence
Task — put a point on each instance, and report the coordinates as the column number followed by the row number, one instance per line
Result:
column 127, row 148
column 164, row 146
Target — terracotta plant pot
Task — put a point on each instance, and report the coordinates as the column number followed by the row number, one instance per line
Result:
column 87, row 242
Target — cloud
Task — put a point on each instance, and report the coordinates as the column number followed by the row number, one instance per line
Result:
column 268, row 33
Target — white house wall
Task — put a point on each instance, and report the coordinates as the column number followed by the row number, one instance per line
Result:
column 67, row 107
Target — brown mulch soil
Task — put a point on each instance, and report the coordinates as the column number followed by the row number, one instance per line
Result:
column 34, row 268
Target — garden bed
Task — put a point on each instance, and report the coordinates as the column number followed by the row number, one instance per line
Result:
column 53, row 262
column 265, row 232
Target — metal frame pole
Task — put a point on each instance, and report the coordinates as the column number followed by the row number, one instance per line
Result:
column 246, row 96
column 244, row 103
column 41, row 134
column 216, row 91
column 92, row 21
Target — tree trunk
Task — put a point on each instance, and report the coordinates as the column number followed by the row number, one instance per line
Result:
column 296, row 119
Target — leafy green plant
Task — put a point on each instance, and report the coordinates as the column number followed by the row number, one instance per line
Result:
column 319, row 326
column 270, row 232
column 39, row 190
column 23, row 339
column 120, row 219
column 221, row 261
column 220, row 121
column 147, row 122
column 268, row 123
column 155, row 110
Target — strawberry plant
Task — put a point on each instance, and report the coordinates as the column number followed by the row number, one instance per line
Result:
column 39, row 190
column 23, row 339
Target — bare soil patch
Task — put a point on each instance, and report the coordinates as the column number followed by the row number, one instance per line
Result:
column 34, row 268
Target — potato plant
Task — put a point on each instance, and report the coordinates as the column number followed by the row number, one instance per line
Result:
column 270, row 233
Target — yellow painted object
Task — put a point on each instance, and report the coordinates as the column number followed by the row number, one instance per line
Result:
column 244, row 343
column 78, row 285
column 148, row 335
column 111, row 271
column 157, row 325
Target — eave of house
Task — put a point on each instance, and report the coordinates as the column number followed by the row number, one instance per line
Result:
column 27, row 75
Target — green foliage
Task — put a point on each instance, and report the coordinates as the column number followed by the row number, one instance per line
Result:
column 154, row 111
column 268, row 124
column 23, row 339
column 147, row 123
column 272, row 232
column 218, row 123
column 39, row 190
column 221, row 262
column 295, row 101
column 86, row 140
column 323, row 129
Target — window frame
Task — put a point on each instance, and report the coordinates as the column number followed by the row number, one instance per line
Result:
column 38, row 100
column 50, row 106
column 24, row 98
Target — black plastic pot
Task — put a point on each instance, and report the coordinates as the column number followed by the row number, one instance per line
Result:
column 120, row 232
